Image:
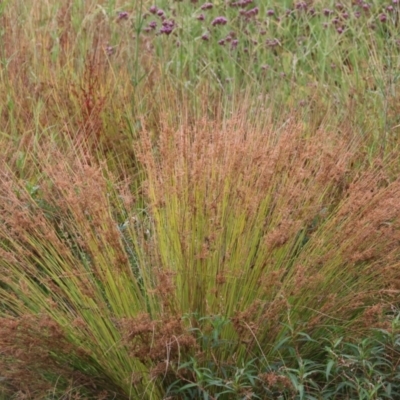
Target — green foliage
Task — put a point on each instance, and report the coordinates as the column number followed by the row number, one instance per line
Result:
column 367, row 369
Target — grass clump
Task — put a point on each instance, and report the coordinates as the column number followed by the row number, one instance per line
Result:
column 241, row 236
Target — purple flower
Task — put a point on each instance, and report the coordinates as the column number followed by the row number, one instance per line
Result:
column 383, row 17
column 166, row 30
column 123, row 15
column 339, row 6
column 357, row 14
column 153, row 9
column 312, row 11
column 270, row 13
column 221, row 42
column 109, row 50
column 153, row 25
column 241, row 3
column 219, row 21
column 252, row 12
column 301, row 5
column 366, row 6
column 234, row 43
column 160, row 13
column 205, row 37
column 168, row 24
column 340, row 30
column 201, row 17
column 345, row 15
column 206, row 6
column 272, row 42
column 390, row 8
column 327, row 12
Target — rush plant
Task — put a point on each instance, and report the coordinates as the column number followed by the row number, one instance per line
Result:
column 245, row 233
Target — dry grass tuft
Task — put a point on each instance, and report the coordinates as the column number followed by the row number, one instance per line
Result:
column 72, row 294
column 260, row 224
column 264, row 228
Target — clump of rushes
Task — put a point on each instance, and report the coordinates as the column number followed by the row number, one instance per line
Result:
column 77, row 310
column 262, row 228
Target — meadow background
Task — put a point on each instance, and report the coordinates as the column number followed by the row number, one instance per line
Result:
column 199, row 200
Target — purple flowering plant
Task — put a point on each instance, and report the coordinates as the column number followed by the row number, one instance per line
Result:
column 264, row 34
